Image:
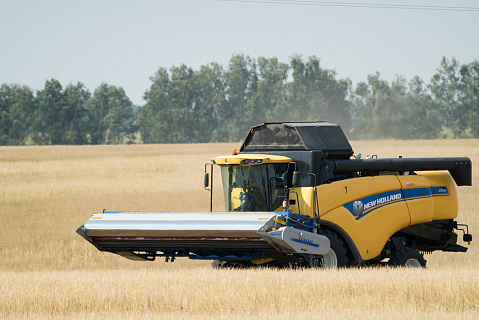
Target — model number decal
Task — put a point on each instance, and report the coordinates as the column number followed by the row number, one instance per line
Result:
column 305, row 241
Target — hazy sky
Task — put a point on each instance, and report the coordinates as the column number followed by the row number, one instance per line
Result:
column 124, row 42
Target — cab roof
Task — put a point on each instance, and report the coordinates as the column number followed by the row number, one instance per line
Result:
column 298, row 136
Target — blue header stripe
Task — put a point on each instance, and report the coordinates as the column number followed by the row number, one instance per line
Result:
column 312, row 244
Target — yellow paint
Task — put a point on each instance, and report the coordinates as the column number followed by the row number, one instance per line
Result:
column 236, row 159
column 338, row 193
column 372, row 230
column 445, row 207
column 303, row 200
column 420, row 209
column 261, row 260
column 235, row 198
column 279, row 221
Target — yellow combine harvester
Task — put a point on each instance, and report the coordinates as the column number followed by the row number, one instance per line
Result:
column 295, row 195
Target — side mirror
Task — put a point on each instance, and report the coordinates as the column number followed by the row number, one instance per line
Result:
column 207, row 180
column 296, row 178
column 467, row 237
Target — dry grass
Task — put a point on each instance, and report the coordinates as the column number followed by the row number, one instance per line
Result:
column 252, row 293
column 48, row 271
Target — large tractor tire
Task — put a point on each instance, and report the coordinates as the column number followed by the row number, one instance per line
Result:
column 337, row 255
column 407, row 257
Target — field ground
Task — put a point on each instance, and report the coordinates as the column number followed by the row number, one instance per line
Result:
column 48, row 271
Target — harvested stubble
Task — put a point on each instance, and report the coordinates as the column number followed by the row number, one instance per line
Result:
column 48, row 271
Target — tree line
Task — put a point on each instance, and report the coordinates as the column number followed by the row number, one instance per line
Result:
column 220, row 104
column 70, row 115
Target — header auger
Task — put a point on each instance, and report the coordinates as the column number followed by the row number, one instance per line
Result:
column 295, row 195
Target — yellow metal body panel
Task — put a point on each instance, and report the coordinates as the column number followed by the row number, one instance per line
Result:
column 382, row 214
column 420, row 204
column 445, row 204
column 301, row 201
column 236, row 159
column 338, row 193
column 371, row 209
column 371, row 232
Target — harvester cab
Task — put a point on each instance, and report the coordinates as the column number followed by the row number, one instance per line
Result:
column 294, row 194
column 253, row 182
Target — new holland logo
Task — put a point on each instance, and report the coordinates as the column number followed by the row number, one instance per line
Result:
column 358, row 208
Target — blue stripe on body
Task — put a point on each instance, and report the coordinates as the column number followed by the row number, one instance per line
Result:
column 382, row 199
column 417, row 193
column 374, row 202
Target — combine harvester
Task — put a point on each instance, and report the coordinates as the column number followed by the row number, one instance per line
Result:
column 295, row 195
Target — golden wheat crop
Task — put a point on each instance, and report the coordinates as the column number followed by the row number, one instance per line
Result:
column 48, row 271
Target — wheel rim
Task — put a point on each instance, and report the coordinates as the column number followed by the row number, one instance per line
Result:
column 330, row 260
column 218, row 264
column 412, row 263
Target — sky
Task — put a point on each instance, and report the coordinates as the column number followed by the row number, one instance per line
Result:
column 124, row 42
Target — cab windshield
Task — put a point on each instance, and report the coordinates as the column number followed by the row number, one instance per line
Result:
column 253, row 188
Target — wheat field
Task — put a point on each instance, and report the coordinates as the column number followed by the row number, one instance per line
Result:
column 48, row 271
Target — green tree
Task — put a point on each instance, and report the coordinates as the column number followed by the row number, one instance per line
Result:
column 74, row 114
column 178, row 119
column 446, row 91
column 48, row 124
column 269, row 98
column 110, row 116
column 61, row 116
column 17, row 105
column 173, row 103
column 399, row 110
column 470, row 95
column 150, row 116
column 210, row 110
column 241, row 82
column 185, row 107
column 422, row 120
column 316, row 94
column 374, row 111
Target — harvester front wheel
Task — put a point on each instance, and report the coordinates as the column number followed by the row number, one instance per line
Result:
column 337, row 255
column 218, row 264
column 231, row 264
column 407, row 257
